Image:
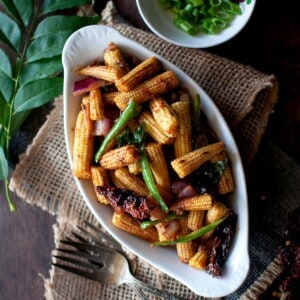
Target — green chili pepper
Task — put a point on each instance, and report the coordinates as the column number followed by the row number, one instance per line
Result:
column 131, row 111
column 151, row 223
column 149, row 180
column 191, row 236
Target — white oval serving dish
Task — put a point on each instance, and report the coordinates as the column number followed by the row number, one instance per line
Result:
column 82, row 48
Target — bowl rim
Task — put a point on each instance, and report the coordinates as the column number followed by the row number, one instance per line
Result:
column 200, row 41
column 72, row 57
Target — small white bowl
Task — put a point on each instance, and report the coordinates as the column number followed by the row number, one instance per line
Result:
column 161, row 23
column 82, row 48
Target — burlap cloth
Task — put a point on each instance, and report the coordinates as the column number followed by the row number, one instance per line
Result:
column 43, row 177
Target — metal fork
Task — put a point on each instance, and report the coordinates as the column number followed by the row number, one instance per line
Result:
column 105, row 265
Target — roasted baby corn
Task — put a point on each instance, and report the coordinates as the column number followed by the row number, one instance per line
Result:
column 160, row 84
column 186, row 250
column 186, row 164
column 100, row 178
column 200, row 259
column 226, row 182
column 83, row 147
column 138, row 74
column 134, row 168
column 198, row 202
column 119, row 157
column 102, row 72
column 131, row 182
column 114, row 57
column 96, row 105
column 109, row 97
column 125, row 222
column 158, row 165
column 195, row 219
column 183, row 140
column 153, row 129
column 164, row 116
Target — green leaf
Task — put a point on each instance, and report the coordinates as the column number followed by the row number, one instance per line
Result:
column 41, row 69
column 25, row 9
column 12, row 10
column 17, row 120
column 37, row 93
column 10, row 32
column 7, row 86
column 2, row 109
column 59, row 24
column 54, row 5
column 47, row 46
column 5, row 65
column 3, row 165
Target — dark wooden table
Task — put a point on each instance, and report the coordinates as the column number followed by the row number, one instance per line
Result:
column 270, row 43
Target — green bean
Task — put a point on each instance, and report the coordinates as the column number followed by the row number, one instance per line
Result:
column 171, row 216
column 149, row 181
column 131, row 111
column 191, row 236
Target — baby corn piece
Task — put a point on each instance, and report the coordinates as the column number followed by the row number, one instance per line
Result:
column 131, row 182
column 138, row 74
column 183, row 140
column 114, row 57
column 108, row 98
column 195, row 219
column 96, row 105
column 153, row 129
column 200, row 259
column 115, row 180
column 158, row 165
column 119, row 157
column 125, row 222
column 164, row 116
column 186, row 250
column 226, row 182
column 102, row 72
column 100, row 178
column 135, row 168
column 217, row 211
column 83, row 147
column 160, row 84
column 198, row 202
column 186, row 164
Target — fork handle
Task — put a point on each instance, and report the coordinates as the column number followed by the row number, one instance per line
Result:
column 155, row 291
column 138, row 290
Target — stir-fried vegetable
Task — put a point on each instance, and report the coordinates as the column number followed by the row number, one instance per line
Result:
column 206, row 16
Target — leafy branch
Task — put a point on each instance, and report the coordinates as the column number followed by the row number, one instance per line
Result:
column 33, row 33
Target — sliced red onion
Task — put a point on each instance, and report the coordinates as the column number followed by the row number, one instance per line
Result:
column 188, row 191
column 102, row 127
column 87, row 84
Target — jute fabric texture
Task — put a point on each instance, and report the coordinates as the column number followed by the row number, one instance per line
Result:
column 43, row 177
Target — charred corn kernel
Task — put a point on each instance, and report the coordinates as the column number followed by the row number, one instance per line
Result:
column 114, row 57
column 86, row 108
column 164, row 116
column 195, row 219
column 119, row 157
column 83, row 148
column 102, row 72
column 186, row 164
column 108, row 98
column 198, row 202
column 226, row 182
column 126, row 223
column 96, row 105
column 131, row 182
column 153, row 129
column 183, row 140
column 134, row 168
column 200, row 259
column 138, row 74
column 217, row 211
column 186, row 250
column 158, row 165
column 100, row 178
column 160, row 84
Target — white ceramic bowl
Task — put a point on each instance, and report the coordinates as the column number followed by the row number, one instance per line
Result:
column 161, row 23
column 83, row 47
